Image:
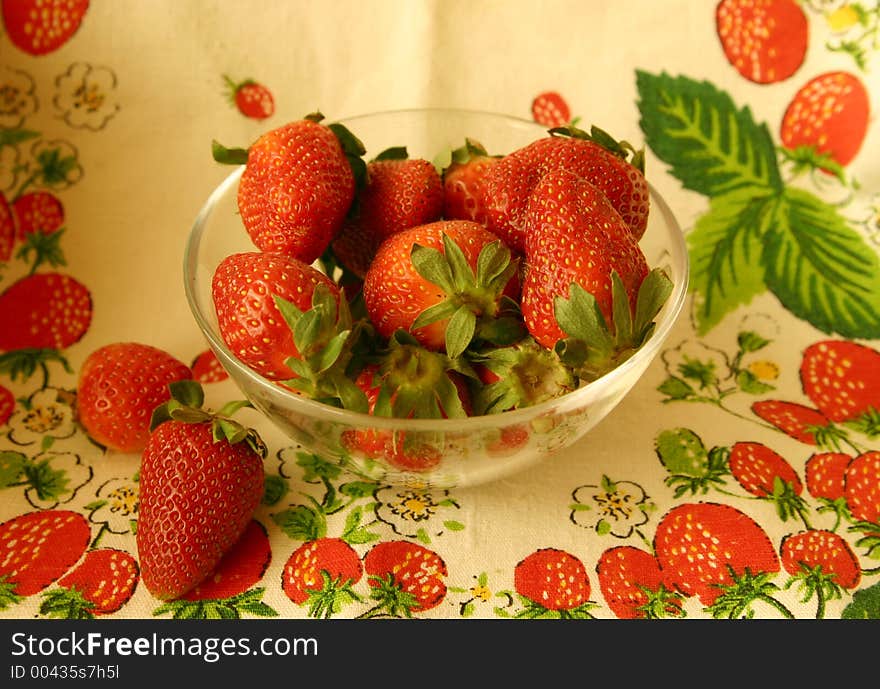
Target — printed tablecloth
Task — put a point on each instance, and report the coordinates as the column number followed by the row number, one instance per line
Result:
column 741, row 476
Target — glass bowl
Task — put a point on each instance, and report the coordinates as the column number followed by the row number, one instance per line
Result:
column 457, row 452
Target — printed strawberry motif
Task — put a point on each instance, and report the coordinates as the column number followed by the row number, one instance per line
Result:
column 842, row 379
column 862, row 488
column 44, row 310
column 764, row 40
column 632, row 584
column 36, row 548
column 120, row 384
column 550, row 109
column 798, row 421
column 7, row 229
column 320, row 574
column 405, row 578
column 99, row 585
column 821, row 563
column 826, row 475
column 201, row 481
column 717, row 553
column 553, row 583
column 464, row 183
column 206, row 368
column 37, row 211
column 252, row 98
column 766, row 474
column 297, row 186
column 7, row 405
column 827, row 119
column 38, row 27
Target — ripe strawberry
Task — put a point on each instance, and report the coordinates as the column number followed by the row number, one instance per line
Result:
column 44, row 310
column 399, row 193
column 7, row 229
column 550, row 109
column 201, row 481
column 594, row 156
column 552, row 581
column 632, row 585
column 705, row 549
column 251, row 98
column 405, row 578
column 297, row 186
column 826, row 475
column 798, row 421
column 447, row 283
column 842, row 378
column 320, row 573
column 764, row 40
column 206, row 368
column 862, row 488
column 38, row 211
column 464, row 183
column 99, row 585
column 822, row 559
column 581, row 258
column 36, row 548
column 38, row 27
column 828, row 115
column 7, row 405
column 120, row 384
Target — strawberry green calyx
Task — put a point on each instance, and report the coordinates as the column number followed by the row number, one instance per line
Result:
column 460, row 156
column 622, row 149
column 591, row 348
column 527, row 374
column 415, row 382
column 393, row 153
column 186, row 406
column 474, row 304
column 228, row 156
column 354, row 150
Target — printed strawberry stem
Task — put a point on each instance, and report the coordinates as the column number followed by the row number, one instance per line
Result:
column 25, row 362
column 737, row 598
column 331, row 597
column 232, row 608
column 815, row 582
column 69, row 604
column 393, row 601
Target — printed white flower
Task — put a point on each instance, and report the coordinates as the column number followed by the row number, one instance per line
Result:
column 416, row 514
column 54, row 478
column 116, row 506
column 703, row 367
column 86, row 96
column 615, row 507
column 10, row 166
column 47, row 414
column 17, row 98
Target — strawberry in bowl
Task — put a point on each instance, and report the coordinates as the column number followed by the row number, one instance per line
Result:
column 496, row 308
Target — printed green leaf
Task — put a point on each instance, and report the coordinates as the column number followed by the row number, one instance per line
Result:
column 865, row 605
column 712, row 146
column 12, row 466
column 725, row 249
column 821, row 269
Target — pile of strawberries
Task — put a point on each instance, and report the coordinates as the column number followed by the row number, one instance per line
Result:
column 486, row 284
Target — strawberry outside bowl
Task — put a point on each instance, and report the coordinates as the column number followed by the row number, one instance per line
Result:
column 462, row 452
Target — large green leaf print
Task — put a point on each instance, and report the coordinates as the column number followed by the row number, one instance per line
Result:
column 758, row 234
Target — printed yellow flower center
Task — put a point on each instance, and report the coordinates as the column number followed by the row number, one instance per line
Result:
column 764, row 370
column 42, row 419
column 123, row 501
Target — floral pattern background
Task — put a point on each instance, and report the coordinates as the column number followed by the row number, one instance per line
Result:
column 727, row 485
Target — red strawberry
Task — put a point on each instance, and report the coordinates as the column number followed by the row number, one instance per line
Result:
column 842, row 378
column 826, row 475
column 201, row 481
column 44, row 310
column 38, row 547
column 596, row 157
column 405, row 578
column 796, row 420
column 550, row 109
column 633, row 586
column 399, row 193
column 206, row 368
column 99, row 585
column 120, row 384
column 251, row 98
column 243, row 289
column 820, row 555
column 320, row 573
column 464, row 183
column 7, row 405
column 764, row 40
column 297, row 186
column 552, row 580
column 445, row 282
column 704, row 549
column 39, row 27
column 7, row 229
column 38, row 211
column 829, row 114
column 756, row 467
column 862, row 490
